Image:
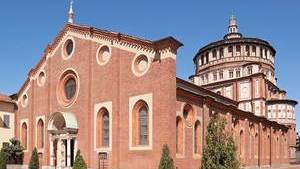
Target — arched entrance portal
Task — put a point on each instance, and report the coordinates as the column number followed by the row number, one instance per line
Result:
column 63, row 128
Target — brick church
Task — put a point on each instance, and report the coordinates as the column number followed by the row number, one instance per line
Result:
column 117, row 99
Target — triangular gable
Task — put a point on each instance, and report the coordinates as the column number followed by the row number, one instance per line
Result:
column 168, row 43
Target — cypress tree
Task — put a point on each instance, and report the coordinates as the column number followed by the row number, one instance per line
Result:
column 34, row 161
column 166, row 161
column 2, row 160
column 220, row 150
column 79, row 161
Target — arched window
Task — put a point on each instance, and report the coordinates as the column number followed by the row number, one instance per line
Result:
column 256, row 146
column 143, row 120
column 103, row 128
column 40, row 134
column 268, row 147
column 197, row 138
column 221, row 53
column 188, row 115
column 179, row 135
column 24, row 135
column 241, row 145
column 141, row 124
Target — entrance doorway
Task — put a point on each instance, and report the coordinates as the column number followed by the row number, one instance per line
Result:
column 63, row 131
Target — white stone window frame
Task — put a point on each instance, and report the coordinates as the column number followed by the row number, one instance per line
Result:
column 36, row 127
column 139, row 74
column 97, row 54
column 148, row 99
column 180, row 114
column 63, row 47
column 26, row 121
column 97, row 107
column 198, row 155
column 38, row 78
column 24, row 103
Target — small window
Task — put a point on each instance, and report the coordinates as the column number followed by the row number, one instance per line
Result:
column 70, row 88
column 69, row 47
column 214, row 54
column 207, row 58
column 221, row 53
column 230, row 49
column 231, row 74
column 238, row 48
column 221, row 74
column 254, row 49
column 261, row 52
column 202, row 60
column 215, row 76
column 6, row 121
column 249, row 68
column 247, row 50
column 238, row 73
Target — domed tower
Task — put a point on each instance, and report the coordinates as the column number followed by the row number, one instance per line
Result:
column 242, row 69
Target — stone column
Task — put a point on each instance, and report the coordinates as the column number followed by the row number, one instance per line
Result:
column 68, row 152
column 59, row 155
column 51, row 152
column 75, row 147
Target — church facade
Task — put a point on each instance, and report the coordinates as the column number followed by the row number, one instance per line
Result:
column 117, row 99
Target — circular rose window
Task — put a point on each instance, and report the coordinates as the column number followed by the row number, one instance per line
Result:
column 24, row 100
column 68, row 48
column 68, row 88
column 41, row 78
column 103, row 55
column 141, row 65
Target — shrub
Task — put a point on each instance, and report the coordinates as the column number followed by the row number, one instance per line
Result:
column 34, row 161
column 14, row 152
column 2, row 159
column 166, row 162
column 79, row 162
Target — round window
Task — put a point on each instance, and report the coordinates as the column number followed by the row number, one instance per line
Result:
column 68, row 48
column 103, row 55
column 41, row 78
column 141, row 65
column 24, row 100
column 68, row 88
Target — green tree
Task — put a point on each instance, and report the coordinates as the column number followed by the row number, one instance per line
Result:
column 2, row 159
column 166, row 161
column 79, row 162
column 220, row 150
column 14, row 152
column 34, row 161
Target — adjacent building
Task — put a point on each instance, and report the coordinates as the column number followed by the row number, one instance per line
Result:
column 7, row 119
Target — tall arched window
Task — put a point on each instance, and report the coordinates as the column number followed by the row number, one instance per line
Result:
column 102, row 128
column 24, row 135
column 256, row 146
column 179, row 135
column 40, row 134
column 197, row 138
column 143, row 125
column 140, row 124
column 241, row 146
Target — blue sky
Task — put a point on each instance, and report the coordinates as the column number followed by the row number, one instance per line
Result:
column 28, row 26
